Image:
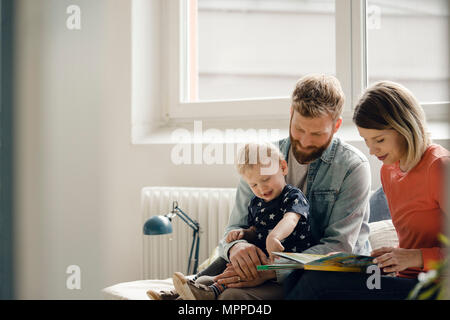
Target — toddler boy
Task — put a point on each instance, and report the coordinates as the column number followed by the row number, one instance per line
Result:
column 277, row 214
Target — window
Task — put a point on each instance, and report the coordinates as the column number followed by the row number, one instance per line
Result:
column 408, row 43
column 257, row 48
column 240, row 59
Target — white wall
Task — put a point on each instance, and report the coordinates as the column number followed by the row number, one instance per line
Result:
column 78, row 176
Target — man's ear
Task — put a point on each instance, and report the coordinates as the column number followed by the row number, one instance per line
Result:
column 338, row 124
column 291, row 112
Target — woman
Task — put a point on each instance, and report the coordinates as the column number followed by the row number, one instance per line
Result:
column 392, row 123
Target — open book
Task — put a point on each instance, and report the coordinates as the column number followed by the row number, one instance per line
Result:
column 344, row 262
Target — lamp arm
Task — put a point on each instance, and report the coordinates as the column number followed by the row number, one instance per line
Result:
column 197, row 246
column 193, row 224
column 194, row 251
column 195, row 239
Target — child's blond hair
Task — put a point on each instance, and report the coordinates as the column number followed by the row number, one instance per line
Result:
column 257, row 154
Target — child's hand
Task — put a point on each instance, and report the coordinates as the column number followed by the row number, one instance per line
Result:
column 234, row 235
column 273, row 245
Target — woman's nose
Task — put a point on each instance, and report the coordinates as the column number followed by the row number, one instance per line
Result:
column 373, row 150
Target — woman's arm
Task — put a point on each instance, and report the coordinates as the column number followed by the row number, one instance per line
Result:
column 437, row 192
column 398, row 259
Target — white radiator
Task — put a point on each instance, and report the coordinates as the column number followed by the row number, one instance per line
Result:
column 165, row 254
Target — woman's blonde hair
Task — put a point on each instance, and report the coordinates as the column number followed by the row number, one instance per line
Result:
column 257, row 154
column 389, row 105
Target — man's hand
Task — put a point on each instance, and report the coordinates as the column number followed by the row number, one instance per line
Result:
column 397, row 259
column 245, row 257
column 231, row 279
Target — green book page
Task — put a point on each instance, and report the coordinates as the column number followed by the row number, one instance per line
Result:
column 279, row 266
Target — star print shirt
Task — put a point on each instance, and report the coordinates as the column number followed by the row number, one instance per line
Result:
column 265, row 216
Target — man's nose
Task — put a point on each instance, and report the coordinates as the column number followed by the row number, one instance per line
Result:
column 305, row 141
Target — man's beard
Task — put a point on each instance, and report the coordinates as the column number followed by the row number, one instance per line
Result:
column 312, row 154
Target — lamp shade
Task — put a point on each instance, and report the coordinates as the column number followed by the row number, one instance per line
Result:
column 157, row 225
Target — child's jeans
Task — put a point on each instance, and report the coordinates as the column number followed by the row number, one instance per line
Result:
column 215, row 268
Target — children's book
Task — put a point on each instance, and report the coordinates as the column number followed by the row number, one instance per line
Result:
column 343, row 262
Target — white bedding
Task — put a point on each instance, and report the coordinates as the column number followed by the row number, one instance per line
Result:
column 136, row 290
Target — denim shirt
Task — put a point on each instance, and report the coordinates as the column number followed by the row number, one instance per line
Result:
column 338, row 189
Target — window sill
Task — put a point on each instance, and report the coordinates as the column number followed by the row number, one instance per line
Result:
column 241, row 131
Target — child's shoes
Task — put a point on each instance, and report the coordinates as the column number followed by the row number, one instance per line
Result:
column 189, row 290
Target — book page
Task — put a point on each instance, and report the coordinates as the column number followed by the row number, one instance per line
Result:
column 302, row 258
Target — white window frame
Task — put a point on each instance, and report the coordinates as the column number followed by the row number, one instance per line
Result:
column 176, row 57
column 351, row 70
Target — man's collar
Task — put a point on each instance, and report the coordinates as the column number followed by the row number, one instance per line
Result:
column 329, row 153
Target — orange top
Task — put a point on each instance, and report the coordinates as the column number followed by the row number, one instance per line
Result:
column 416, row 202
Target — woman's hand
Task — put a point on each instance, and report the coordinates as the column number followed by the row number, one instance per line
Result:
column 397, row 259
column 231, row 279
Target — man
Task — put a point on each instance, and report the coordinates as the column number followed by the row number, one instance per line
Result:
column 334, row 176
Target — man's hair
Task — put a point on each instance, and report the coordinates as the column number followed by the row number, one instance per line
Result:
column 317, row 95
column 257, row 154
column 389, row 105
